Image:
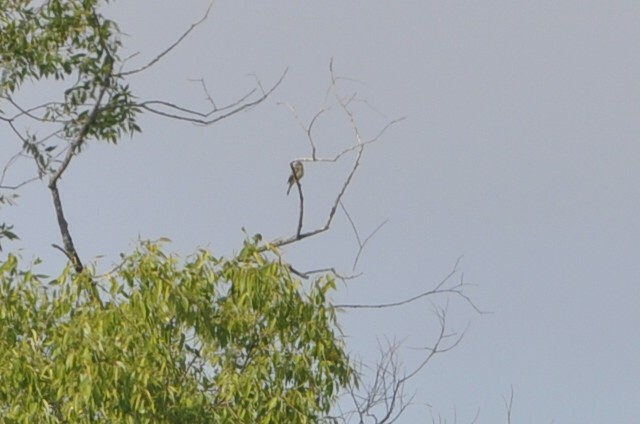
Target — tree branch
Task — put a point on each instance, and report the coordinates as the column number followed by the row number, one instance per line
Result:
column 181, row 113
column 358, row 147
column 509, row 405
column 384, row 399
column 69, row 246
column 361, row 244
column 170, row 48
column 457, row 289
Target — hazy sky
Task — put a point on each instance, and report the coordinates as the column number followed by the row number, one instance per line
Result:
column 520, row 152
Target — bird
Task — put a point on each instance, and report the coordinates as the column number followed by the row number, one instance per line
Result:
column 296, row 174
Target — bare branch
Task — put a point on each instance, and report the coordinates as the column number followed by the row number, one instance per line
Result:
column 181, row 113
column 308, row 129
column 170, row 48
column 69, row 249
column 358, row 148
column 457, row 289
column 383, row 400
column 67, row 254
column 22, row 137
column 9, row 163
column 509, row 405
column 383, row 392
column 361, row 244
column 208, row 96
column 441, row 314
column 29, row 112
column 305, row 275
column 300, row 196
column 69, row 246
column 19, row 185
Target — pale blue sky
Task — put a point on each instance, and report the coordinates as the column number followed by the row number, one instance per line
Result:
column 520, row 151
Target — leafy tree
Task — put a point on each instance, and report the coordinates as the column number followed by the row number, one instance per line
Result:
column 210, row 340
column 159, row 339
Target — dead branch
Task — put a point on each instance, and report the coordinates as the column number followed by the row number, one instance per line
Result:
column 440, row 289
column 8, row 165
column 508, row 404
column 181, row 113
column 305, row 275
column 358, row 148
column 384, row 400
column 308, row 129
column 170, row 48
column 300, row 196
column 361, row 244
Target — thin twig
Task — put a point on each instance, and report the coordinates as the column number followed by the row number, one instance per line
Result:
column 306, row 274
column 361, row 244
column 300, row 196
column 509, row 405
column 387, row 388
column 438, row 290
column 181, row 113
column 170, row 48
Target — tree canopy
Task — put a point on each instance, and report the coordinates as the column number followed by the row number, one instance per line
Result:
column 156, row 340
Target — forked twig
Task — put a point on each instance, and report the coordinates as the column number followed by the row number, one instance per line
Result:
column 358, row 148
column 361, row 244
column 182, row 113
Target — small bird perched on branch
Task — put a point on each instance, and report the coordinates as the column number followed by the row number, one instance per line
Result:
column 296, row 175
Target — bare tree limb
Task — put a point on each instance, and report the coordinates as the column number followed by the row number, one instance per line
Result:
column 170, row 48
column 181, row 113
column 29, row 112
column 19, row 185
column 358, row 148
column 457, row 289
column 69, row 246
column 383, row 400
column 308, row 129
column 305, row 275
column 361, row 244
column 300, row 196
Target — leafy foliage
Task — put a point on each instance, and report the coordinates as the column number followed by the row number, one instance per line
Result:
column 6, row 231
column 211, row 340
column 68, row 40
